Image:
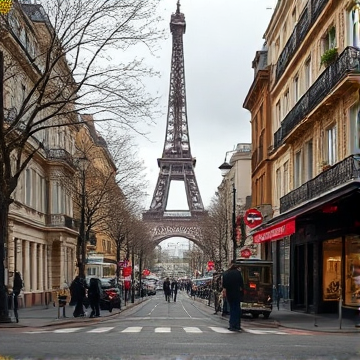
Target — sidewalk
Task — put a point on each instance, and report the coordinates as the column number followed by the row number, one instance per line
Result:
column 299, row 320
column 42, row 316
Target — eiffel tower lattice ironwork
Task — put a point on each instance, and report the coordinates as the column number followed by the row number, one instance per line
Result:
column 176, row 162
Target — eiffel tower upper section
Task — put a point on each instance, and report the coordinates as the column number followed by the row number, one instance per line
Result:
column 177, row 162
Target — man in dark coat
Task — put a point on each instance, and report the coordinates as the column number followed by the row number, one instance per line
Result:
column 167, row 289
column 77, row 291
column 18, row 285
column 174, row 289
column 94, row 294
column 233, row 284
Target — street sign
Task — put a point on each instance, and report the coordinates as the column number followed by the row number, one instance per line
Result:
column 253, row 218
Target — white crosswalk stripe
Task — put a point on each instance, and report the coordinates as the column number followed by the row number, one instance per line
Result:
column 68, row 330
column 132, row 329
column 193, row 330
column 163, row 330
column 220, row 330
column 100, row 330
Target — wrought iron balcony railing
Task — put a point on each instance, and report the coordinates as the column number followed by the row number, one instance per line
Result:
column 306, row 20
column 60, row 220
column 60, row 154
column 339, row 174
column 348, row 61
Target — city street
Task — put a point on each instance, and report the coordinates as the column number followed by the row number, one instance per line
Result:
column 186, row 329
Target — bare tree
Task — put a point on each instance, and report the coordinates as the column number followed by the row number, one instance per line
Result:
column 216, row 231
column 67, row 66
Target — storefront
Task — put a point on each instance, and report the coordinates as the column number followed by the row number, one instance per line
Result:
column 316, row 254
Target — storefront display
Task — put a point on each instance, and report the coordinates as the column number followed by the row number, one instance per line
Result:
column 332, row 269
column 352, row 271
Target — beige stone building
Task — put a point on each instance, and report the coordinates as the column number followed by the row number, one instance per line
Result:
column 313, row 66
column 235, row 189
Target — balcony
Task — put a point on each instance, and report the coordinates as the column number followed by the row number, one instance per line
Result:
column 60, row 220
column 60, row 155
column 347, row 62
column 338, row 175
column 303, row 26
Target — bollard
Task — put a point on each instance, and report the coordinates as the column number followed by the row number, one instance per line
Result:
column 340, row 307
column 61, row 304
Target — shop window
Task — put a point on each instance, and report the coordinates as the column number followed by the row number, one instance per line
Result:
column 331, row 269
column 352, row 271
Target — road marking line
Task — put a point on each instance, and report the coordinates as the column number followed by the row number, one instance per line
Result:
column 265, row 332
column 68, row 330
column 132, row 329
column 162, row 330
column 192, row 330
column 220, row 330
column 100, row 330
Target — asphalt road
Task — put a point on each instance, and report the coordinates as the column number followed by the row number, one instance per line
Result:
column 185, row 330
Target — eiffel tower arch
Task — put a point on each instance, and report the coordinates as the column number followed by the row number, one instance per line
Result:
column 176, row 163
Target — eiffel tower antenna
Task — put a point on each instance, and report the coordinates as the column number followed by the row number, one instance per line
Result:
column 176, row 162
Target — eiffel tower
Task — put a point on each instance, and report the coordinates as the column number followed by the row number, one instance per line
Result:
column 176, row 162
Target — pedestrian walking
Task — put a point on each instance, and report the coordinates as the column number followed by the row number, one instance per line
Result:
column 174, row 289
column 17, row 286
column 167, row 289
column 94, row 294
column 233, row 284
column 77, row 291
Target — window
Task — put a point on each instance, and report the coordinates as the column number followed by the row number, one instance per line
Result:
column 286, row 101
column 28, row 187
column 278, row 113
column 286, row 178
column 354, row 28
column 331, row 145
column 297, row 170
column 309, row 160
column 307, row 74
column 354, row 135
column 296, row 89
column 278, row 185
column 329, row 40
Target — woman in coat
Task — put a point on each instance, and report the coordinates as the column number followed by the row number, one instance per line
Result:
column 94, row 294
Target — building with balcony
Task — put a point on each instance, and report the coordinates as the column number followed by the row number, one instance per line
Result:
column 312, row 162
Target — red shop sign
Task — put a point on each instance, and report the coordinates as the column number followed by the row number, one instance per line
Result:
column 275, row 232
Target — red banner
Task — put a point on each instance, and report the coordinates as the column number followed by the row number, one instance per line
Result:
column 275, row 232
column 127, row 271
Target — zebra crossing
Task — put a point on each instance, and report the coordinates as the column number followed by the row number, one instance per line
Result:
column 163, row 330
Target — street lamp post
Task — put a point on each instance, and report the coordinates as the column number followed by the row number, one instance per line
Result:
column 83, row 163
column 225, row 167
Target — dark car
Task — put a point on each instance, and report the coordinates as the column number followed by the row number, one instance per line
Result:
column 110, row 293
column 111, row 297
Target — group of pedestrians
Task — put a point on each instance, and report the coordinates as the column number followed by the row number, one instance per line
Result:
column 170, row 289
column 78, row 296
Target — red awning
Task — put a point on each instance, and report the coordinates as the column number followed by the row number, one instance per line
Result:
column 276, row 231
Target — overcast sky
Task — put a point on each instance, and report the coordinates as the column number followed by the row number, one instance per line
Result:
column 219, row 45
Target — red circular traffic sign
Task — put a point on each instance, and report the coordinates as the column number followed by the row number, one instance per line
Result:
column 252, row 218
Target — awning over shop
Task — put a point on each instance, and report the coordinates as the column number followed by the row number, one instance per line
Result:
column 275, row 231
